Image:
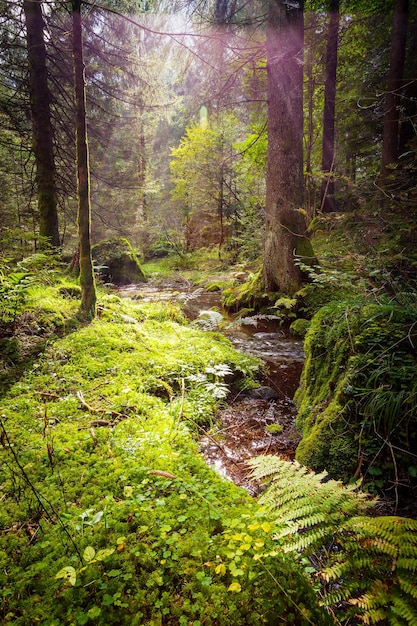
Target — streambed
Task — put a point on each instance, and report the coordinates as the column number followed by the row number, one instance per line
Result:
column 253, row 422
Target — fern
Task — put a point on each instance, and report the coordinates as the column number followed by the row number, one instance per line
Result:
column 367, row 565
column 13, row 287
column 386, row 577
column 311, row 508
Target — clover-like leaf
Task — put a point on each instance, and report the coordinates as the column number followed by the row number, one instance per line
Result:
column 68, row 573
column 89, row 554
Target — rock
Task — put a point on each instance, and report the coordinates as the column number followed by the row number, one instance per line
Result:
column 117, row 262
column 208, row 320
column 264, row 393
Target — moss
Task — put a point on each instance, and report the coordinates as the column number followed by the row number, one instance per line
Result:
column 117, row 262
column 249, row 295
column 357, row 397
column 304, row 251
column 103, row 425
column 274, row 429
column 300, row 327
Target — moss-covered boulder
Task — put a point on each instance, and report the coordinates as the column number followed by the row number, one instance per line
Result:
column 117, row 262
column 358, row 394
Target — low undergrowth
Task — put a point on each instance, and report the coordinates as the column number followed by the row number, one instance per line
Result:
column 358, row 398
column 109, row 515
column 362, row 566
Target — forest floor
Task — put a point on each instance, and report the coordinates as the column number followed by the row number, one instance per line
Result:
column 109, row 512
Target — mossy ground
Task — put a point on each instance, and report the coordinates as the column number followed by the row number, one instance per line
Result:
column 109, row 514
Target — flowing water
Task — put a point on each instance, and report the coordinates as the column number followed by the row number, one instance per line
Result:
column 258, row 421
column 254, row 422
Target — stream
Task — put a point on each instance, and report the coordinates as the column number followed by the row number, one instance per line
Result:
column 257, row 421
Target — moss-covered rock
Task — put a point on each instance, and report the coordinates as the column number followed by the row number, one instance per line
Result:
column 249, row 295
column 300, row 327
column 117, row 262
column 358, row 394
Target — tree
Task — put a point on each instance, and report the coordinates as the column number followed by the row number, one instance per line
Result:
column 40, row 99
column 285, row 231
column 390, row 140
column 328, row 203
column 204, row 179
column 87, row 282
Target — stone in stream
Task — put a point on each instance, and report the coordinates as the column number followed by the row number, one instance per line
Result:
column 264, row 393
column 208, row 320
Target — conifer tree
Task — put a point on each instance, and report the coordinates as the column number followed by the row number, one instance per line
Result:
column 40, row 99
column 88, row 292
column 285, row 230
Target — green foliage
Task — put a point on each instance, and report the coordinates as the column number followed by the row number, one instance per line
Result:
column 367, row 565
column 250, row 170
column 357, row 396
column 110, row 515
column 14, row 285
column 378, row 565
column 13, row 288
column 31, row 310
column 249, row 295
column 274, row 429
column 201, row 169
column 300, row 327
column 310, row 506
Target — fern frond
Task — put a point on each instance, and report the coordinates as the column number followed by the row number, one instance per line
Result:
column 338, row 595
column 374, row 616
column 335, row 572
column 409, row 586
column 403, row 609
column 374, row 565
column 408, row 564
column 375, row 597
column 390, row 528
column 409, row 551
column 309, row 510
column 307, row 515
column 304, row 542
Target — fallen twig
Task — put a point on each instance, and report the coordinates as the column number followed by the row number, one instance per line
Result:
column 80, row 397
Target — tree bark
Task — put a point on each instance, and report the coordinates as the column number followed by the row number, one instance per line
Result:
column 390, row 140
column 328, row 202
column 40, row 99
column 285, row 231
column 87, row 282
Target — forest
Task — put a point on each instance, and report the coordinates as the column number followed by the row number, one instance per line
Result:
column 208, row 312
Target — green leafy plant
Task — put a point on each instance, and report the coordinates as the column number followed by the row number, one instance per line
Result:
column 310, row 506
column 375, row 570
column 367, row 565
column 357, row 396
column 69, row 573
column 212, row 380
column 13, row 290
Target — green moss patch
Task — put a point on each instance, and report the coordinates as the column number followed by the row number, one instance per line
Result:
column 109, row 514
column 358, row 396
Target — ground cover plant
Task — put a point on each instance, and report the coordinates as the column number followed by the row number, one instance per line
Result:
column 357, row 397
column 109, row 515
column 362, row 564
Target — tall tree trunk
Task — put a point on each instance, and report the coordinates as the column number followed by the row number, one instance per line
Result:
column 285, row 231
column 40, row 99
column 390, row 140
column 87, row 282
column 328, row 203
column 309, row 140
